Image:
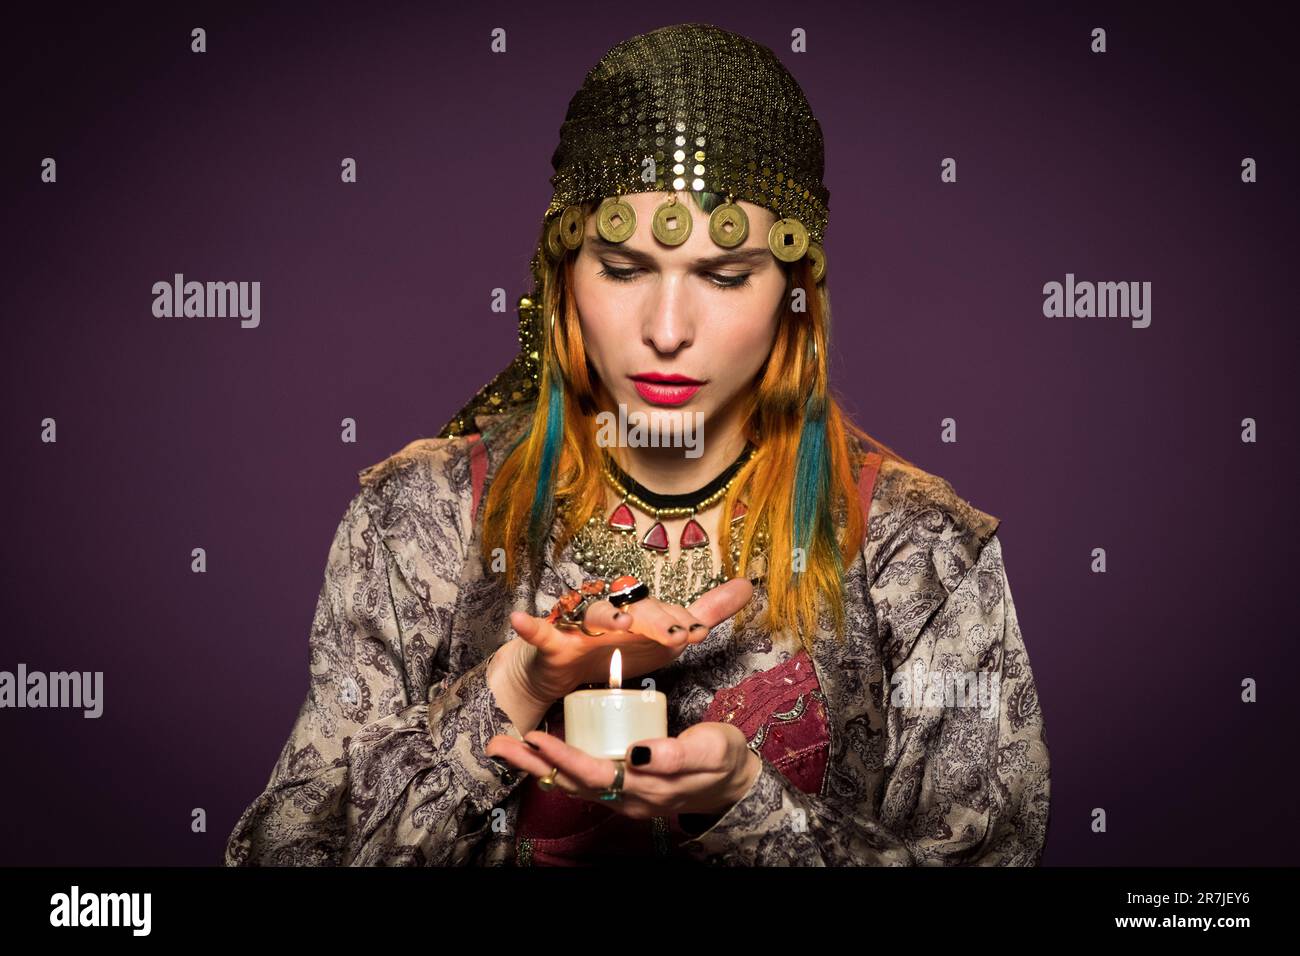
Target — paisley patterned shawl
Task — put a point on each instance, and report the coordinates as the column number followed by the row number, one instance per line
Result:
column 385, row 762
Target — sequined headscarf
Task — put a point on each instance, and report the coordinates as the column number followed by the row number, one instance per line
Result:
column 684, row 107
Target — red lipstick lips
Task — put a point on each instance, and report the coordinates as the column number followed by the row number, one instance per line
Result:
column 660, row 389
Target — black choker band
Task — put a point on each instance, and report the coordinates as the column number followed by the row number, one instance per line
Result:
column 686, row 500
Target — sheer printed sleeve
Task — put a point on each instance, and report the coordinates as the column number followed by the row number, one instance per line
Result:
column 385, row 762
column 966, row 767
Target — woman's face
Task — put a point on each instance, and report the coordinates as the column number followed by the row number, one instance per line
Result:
column 696, row 310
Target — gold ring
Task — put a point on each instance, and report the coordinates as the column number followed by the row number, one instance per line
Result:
column 548, row 782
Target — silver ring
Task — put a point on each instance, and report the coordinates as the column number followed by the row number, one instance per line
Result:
column 615, row 790
column 580, row 612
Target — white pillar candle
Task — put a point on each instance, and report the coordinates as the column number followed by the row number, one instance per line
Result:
column 604, row 722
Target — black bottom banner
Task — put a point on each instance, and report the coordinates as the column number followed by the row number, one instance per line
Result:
column 217, row 905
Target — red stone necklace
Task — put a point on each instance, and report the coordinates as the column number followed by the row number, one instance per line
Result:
column 659, row 506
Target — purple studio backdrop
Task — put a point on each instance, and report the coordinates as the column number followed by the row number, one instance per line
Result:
column 1079, row 433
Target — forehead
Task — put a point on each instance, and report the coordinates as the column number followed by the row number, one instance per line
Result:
column 698, row 243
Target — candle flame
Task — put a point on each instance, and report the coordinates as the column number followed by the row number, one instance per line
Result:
column 616, row 669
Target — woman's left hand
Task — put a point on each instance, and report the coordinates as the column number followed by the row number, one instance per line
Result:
column 706, row 769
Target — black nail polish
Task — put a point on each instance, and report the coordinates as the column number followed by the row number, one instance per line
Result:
column 640, row 756
column 697, row 626
column 674, row 629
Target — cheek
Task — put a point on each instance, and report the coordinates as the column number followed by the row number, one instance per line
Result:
column 593, row 317
column 750, row 342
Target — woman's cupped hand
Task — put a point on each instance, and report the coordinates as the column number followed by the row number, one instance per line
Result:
column 705, row 769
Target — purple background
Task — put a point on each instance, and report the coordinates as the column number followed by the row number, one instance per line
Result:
column 1078, row 433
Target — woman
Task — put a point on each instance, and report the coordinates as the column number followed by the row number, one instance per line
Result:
column 832, row 626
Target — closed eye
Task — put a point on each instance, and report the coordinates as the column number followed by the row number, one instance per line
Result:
column 721, row 281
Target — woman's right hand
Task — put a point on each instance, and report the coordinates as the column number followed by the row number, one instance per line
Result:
column 549, row 662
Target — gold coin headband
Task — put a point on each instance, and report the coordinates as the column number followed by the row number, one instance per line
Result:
column 787, row 239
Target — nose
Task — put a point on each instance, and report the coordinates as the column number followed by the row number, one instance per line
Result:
column 668, row 326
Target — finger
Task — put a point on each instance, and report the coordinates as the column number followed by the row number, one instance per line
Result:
column 525, row 758
column 591, row 773
column 518, row 755
column 651, row 618
column 603, row 616
column 715, row 606
column 700, row 753
column 527, row 627
column 696, row 630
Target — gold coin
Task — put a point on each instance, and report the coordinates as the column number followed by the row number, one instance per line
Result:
column 818, row 258
column 554, row 248
column 672, row 223
column 788, row 239
column 729, row 226
column 573, row 226
column 615, row 219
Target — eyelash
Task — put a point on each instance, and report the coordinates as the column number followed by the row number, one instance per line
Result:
column 625, row 275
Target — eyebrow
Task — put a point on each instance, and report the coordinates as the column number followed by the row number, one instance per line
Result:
column 737, row 257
